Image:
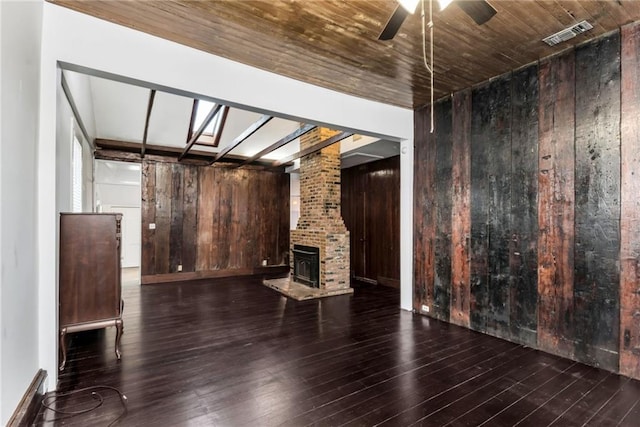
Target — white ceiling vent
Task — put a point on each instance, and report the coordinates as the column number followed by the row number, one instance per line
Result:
column 567, row 33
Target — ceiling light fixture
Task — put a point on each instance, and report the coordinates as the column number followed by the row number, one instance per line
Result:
column 444, row 3
column 409, row 5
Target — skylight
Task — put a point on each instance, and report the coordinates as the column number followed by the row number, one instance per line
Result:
column 202, row 109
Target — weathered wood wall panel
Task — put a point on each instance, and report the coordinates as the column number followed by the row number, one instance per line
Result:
column 490, row 181
column 148, row 210
column 460, row 208
column 442, row 205
column 523, row 253
column 630, row 203
column 479, row 257
column 499, row 175
column 162, row 219
column 211, row 219
column 549, row 204
column 219, row 259
column 190, row 218
column 177, row 210
column 206, row 239
column 424, row 160
column 556, row 204
column 597, row 227
column 370, row 208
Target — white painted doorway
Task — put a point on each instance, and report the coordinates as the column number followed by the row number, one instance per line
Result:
column 117, row 189
column 131, row 231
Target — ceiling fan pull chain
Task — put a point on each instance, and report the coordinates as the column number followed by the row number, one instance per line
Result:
column 431, row 43
column 424, row 38
column 424, row 52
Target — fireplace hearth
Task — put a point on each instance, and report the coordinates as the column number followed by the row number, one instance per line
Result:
column 306, row 265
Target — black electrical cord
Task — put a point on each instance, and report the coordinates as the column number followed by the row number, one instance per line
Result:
column 50, row 400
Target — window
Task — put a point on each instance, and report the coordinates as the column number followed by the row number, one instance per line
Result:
column 202, row 110
column 76, row 175
column 213, row 131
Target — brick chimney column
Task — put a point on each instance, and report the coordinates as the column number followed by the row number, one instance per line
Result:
column 320, row 222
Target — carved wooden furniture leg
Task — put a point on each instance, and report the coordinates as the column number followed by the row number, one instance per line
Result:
column 63, row 348
column 122, row 311
column 119, row 329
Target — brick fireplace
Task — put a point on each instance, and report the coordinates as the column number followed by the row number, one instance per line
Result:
column 320, row 224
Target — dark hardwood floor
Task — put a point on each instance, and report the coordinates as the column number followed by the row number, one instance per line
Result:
column 234, row 353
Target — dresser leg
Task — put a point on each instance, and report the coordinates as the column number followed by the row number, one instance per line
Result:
column 119, row 330
column 63, row 348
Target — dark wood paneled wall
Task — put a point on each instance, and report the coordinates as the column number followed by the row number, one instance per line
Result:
column 442, row 217
column 371, row 212
column 461, row 209
column 630, row 203
column 423, row 201
column 212, row 219
column 597, row 205
column 527, row 210
column 523, row 253
column 556, row 196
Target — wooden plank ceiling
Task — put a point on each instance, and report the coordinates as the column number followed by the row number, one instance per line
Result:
column 333, row 43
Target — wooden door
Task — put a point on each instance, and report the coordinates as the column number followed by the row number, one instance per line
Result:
column 371, row 212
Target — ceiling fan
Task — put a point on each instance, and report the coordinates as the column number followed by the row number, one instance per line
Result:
column 479, row 10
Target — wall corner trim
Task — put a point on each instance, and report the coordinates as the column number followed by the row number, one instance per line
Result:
column 27, row 410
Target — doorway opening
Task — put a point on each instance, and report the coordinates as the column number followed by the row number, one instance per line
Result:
column 118, row 190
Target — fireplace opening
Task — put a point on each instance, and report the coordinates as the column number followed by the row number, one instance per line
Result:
column 306, row 265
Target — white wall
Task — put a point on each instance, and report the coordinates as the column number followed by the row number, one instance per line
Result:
column 117, row 183
column 20, row 38
column 406, row 224
column 118, row 189
column 117, row 194
column 64, row 147
column 83, row 41
column 79, row 85
column 87, row 177
column 80, row 88
column 1, row 144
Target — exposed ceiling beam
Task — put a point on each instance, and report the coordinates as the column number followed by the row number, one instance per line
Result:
column 284, row 141
column 310, row 150
column 196, row 135
column 243, row 136
column 192, row 120
column 131, row 152
column 152, row 96
column 134, row 147
column 76, row 113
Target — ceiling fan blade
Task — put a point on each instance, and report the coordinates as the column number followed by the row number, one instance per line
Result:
column 393, row 25
column 479, row 10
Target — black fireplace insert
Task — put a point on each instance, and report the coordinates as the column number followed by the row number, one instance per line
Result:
column 306, row 265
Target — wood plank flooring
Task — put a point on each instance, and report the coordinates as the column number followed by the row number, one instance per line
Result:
column 235, row 353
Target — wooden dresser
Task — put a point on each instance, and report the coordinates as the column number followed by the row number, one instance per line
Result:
column 90, row 293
